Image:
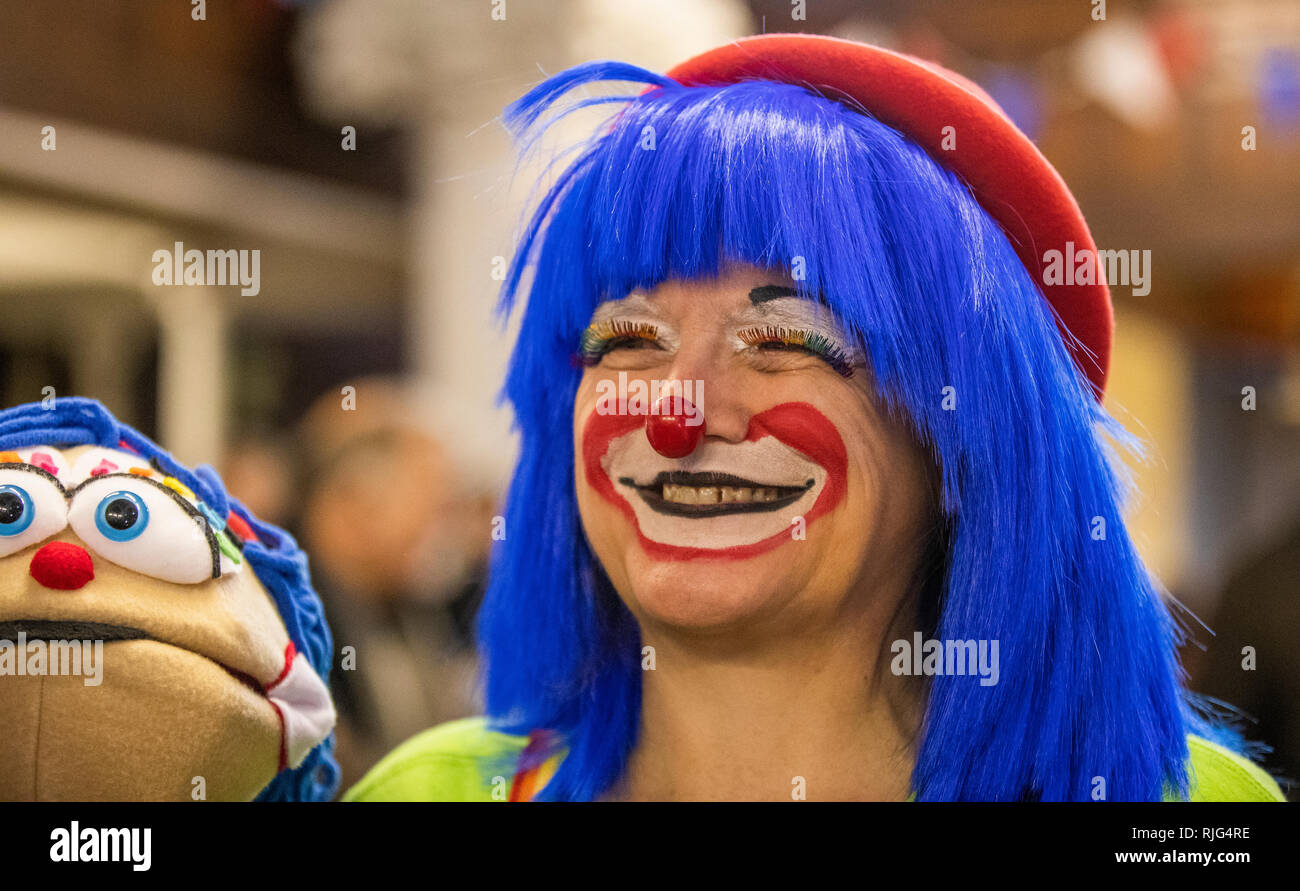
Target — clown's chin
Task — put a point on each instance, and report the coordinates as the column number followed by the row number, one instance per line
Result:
column 708, row 596
column 164, row 724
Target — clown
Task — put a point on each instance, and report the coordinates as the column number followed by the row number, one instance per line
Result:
column 157, row 642
column 895, row 442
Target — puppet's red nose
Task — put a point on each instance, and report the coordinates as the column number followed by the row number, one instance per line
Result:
column 675, row 427
column 63, row 566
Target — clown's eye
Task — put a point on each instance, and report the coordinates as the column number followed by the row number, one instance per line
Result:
column 32, row 508
column 778, row 338
column 609, row 335
column 144, row 527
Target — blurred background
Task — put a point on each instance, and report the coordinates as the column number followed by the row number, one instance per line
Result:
column 357, row 145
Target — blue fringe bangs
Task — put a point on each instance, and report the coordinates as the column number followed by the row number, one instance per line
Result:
column 684, row 180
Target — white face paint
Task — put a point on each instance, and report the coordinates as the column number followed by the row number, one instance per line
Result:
column 633, row 309
column 765, row 468
column 793, row 322
column 797, row 314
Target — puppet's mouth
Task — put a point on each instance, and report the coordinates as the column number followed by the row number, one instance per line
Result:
column 51, row 630
column 681, row 493
column 44, row 629
column 299, row 697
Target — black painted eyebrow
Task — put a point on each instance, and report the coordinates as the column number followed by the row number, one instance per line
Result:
column 764, row 293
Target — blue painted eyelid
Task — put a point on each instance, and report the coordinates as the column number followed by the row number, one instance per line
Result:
column 121, row 535
column 9, row 530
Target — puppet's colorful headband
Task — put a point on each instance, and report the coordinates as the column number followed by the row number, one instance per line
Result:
column 962, row 129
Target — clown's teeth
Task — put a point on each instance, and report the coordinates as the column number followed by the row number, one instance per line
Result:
column 690, row 494
column 717, row 494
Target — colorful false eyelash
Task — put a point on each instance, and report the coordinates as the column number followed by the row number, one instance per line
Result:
column 600, row 337
column 819, row 344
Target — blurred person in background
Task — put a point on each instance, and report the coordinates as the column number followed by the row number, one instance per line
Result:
column 399, row 541
column 258, row 469
column 1253, row 662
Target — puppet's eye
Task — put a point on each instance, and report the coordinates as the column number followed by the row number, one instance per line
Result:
column 16, row 512
column 121, row 516
column 32, row 508
column 144, row 527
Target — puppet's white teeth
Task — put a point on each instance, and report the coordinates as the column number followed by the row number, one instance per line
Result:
column 717, row 494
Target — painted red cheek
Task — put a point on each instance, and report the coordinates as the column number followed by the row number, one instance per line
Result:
column 671, row 434
column 62, row 566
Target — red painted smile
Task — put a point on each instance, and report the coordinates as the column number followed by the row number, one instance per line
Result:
column 723, row 500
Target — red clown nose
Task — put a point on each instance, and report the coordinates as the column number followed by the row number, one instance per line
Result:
column 62, row 566
column 668, row 429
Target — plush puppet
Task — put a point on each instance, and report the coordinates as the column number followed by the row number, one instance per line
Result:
column 157, row 642
column 894, row 235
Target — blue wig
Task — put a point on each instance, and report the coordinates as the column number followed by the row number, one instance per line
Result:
column 276, row 560
column 774, row 175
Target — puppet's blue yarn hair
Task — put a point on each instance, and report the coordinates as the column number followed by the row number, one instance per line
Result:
column 275, row 558
column 682, row 180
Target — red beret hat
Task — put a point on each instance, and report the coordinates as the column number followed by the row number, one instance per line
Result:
column 1007, row 174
